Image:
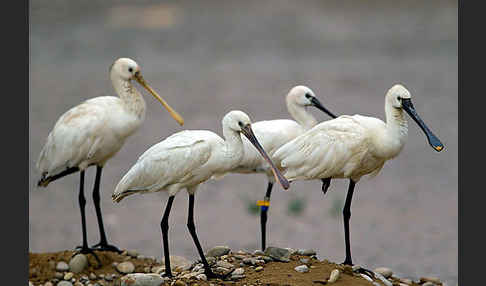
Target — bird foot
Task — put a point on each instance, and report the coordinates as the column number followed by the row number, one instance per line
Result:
column 103, row 246
column 167, row 274
column 361, row 270
column 211, row 275
column 86, row 250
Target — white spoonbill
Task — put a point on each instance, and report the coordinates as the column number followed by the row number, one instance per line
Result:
column 272, row 134
column 185, row 160
column 93, row 132
column 351, row 147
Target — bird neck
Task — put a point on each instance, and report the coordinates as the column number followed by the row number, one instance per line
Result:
column 233, row 147
column 300, row 114
column 396, row 130
column 131, row 98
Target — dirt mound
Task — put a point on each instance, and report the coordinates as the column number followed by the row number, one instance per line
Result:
column 42, row 269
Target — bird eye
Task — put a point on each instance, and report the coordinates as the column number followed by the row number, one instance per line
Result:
column 399, row 98
column 308, row 95
column 130, row 69
column 240, row 123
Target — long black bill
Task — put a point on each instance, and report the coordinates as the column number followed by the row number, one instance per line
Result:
column 315, row 102
column 433, row 140
column 248, row 132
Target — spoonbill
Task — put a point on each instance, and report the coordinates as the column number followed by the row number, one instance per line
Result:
column 93, row 132
column 351, row 147
column 272, row 134
column 185, row 160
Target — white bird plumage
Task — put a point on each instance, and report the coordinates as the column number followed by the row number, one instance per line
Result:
column 185, row 160
column 272, row 134
column 351, row 147
column 94, row 131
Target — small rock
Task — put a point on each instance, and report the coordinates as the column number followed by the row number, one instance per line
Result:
column 267, row 258
column 249, row 261
column 239, row 271
column 279, row 254
column 179, row 283
column 259, row 268
column 306, row 252
column 406, row 281
column 58, row 275
column 62, row 266
column 68, row 276
column 218, row 251
column 222, row 270
column 304, row 260
column 241, row 252
column 78, row 284
column 64, row 283
column 142, row 279
column 78, row 263
column 30, row 284
column 179, row 263
column 48, row 283
column 109, row 277
column 334, row 276
column 386, row 272
column 366, row 277
column 141, row 256
column 383, row 279
column 402, row 284
column 201, row 276
column 258, row 252
column 225, row 264
column 92, row 276
column 114, row 264
column 434, row 280
column 428, row 283
column 356, row 268
column 125, row 267
column 132, row 253
column 236, row 277
column 302, row 268
column 240, row 257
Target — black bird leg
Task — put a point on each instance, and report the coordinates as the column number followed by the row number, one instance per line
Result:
column 103, row 244
column 164, row 226
column 192, row 230
column 263, row 215
column 84, row 249
column 347, row 217
column 325, row 184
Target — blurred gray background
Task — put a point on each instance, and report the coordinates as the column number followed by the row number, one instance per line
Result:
column 208, row 57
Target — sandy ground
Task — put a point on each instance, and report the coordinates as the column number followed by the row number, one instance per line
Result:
column 208, row 58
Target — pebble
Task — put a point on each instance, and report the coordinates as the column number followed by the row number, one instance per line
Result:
column 224, row 264
column 386, row 272
column 402, row 284
column 434, row 280
column 109, row 277
column 334, row 276
column 142, row 279
column 258, row 252
column 306, row 252
column 428, row 283
column 64, row 283
column 201, row 276
column 141, row 256
column 235, row 277
column 78, row 263
column 179, row 283
column 78, row 284
column 279, row 254
column 132, row 253
column 302, row 268
column 304, row 260
column 356, row 268
column 62, row 266
column 267, row 258
column 58, row 275
column 240, row 257
column 383, row 279
column 179, row 263
column 48, row 283
column 125, row 267
column 68, row 276
column 366, row 277
column 218, row 251
column 222, row 270
column 30, row 284
column 239, row 271
column 406, row 281
column 259, row 268
column 249, row 261
column 92, row 276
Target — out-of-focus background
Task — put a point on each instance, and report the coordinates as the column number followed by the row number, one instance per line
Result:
column 208, row 57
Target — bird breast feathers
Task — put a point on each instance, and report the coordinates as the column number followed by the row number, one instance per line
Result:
column 332, row 147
